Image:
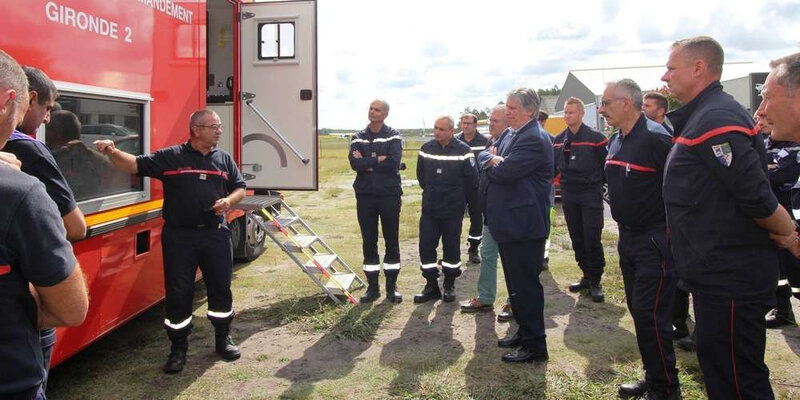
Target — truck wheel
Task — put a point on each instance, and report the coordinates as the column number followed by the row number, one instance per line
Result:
column 248, row 237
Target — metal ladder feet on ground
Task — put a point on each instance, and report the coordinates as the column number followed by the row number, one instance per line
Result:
column 304, row 247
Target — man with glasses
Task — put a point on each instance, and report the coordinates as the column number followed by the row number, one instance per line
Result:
column 477, row 142
column 580, row 153
column 201, row 183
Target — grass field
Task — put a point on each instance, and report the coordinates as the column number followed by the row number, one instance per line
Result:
column 297, row 345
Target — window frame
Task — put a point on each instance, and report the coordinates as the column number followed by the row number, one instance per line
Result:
column 108, row 202
column 277, row 23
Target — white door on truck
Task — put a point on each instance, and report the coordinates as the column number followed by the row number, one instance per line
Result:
column 279, row 94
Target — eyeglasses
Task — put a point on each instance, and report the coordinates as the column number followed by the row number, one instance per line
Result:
column 606, row 103
column 214, row 127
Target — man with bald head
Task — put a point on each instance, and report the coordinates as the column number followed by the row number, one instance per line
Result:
column 375, row 154
column 720, row 213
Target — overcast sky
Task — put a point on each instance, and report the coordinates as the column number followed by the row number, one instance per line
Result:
column 436, row 57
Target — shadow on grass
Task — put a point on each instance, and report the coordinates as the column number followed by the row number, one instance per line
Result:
column 423, row 352
column 334, row 355
column 127, row 362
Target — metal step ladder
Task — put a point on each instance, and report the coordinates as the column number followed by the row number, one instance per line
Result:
column 293, row 235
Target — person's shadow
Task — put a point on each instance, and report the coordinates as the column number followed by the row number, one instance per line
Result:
column 424, row 346
column 594, row 332
column 334, row 355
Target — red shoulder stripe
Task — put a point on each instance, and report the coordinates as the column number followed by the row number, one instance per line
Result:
column 716, row 132
column 4, row 269
column 634, row 167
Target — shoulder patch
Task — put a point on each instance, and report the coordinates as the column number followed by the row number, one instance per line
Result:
column 723, row 153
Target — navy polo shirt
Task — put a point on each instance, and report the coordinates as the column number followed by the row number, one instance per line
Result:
column 193, row 182
column 580, row 158
column 715, row 187
column 29, row 222
column 446, row 174
column 634, row 169
column 37, row 160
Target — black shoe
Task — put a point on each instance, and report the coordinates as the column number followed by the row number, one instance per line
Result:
column 429, row 292
column 523, row 355
column 475, row 305
column 680, row 330
column 175, row 361
column 391, row 288
column 596, row 289
column 687, row 344
column 546, row 264
column 653, row 395
column 775, row 320
column 474, row 258
column 580, row 285
column 449, row 286
column 506, row 315
column 632, row 389
column 226, row 348
column 373, row 288
column 510, row 342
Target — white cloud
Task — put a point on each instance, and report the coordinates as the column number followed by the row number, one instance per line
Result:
column 440, row 56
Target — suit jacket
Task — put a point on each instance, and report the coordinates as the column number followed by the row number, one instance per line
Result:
column 518, row 195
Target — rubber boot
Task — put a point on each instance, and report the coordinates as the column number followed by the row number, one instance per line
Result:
column 177, row 352
column 373, row 287
column 449, row 286
column 391, row 286
column 223, row 343
column 429, row 292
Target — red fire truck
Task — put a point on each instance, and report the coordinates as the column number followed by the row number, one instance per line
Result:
column 133, row 71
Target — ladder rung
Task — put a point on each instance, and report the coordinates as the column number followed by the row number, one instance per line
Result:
column 344, row 280
column 284, row 221
column 303, row 240
column 324, row 260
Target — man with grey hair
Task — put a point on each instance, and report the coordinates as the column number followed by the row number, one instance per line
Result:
column 40, row 288
column 721, row 213
column 781, row 93
column 375, row 155
column 446, row 172
column 201, row 184
column 637, row 153
column 520, row 176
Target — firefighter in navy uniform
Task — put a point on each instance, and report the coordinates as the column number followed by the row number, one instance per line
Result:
column 784, row 170
column 201, row 183
column 375, row 154
column 720, row 214
column 580, row 154
column 477, row 142
column 634, row 168
column 446, row 172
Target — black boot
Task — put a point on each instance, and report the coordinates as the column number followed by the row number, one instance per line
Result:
column 449, row 286
column 474, row 256
column 373, row 288
column 576, row 287
column 391, row 286
column 223, row 343
column 782, row 315
column 177, row 351
column 596, row 290
column 429, row 292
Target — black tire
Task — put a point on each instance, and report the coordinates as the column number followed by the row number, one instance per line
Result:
column 248, row 238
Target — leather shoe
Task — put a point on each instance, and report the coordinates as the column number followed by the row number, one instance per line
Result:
column 523, row 355
column 175, row 361
column 510, row 342
column 596, row 291
column 474, row 258
column 632, row 389
column 506, row 315
column 474, row 305
column 225, row 347
column 653, row 395
column 580, row 285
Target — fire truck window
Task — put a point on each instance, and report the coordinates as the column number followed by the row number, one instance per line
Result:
column 276, row 40
column 71, row 133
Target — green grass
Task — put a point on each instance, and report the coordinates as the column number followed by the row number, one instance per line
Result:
column 298, row 345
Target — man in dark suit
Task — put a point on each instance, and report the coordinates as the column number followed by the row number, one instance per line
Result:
column 516, row 209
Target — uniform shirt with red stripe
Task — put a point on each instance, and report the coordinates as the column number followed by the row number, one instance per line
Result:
column 715, row 187
column 193, row 182
column 579, row 158
column 634, row 169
